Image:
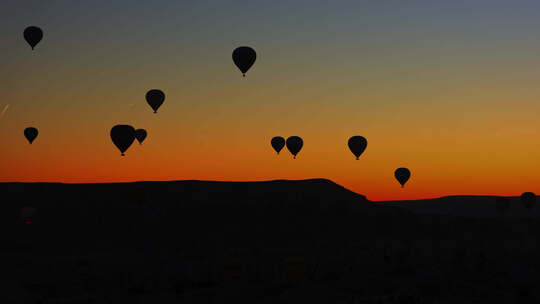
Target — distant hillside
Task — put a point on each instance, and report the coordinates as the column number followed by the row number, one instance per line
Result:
column 278, row 211
column 468, row 206
column 180, row 193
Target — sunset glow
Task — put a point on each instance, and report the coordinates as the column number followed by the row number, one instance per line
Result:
column 448, row 90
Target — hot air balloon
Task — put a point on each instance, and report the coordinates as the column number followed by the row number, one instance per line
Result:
column 244, row 57
column 357, row 144
column 277, row 143
column 528, row 199
column 31, row 133
column 28, row 215
column 402, row 175
column 33, row 35
column 140, row 135
column 122, row 137
column 294, row 145
column 155, row 99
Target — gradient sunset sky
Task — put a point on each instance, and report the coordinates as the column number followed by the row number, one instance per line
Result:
column 449, row 89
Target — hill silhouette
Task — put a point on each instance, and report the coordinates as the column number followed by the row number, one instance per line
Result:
column 270, row 240
column 194, row 211
column 475, row 206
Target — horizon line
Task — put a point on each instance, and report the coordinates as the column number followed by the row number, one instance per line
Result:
column 263, row 181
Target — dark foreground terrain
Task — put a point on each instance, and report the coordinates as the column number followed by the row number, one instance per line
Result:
column 309, row 241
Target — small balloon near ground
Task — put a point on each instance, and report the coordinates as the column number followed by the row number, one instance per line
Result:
column 402, row 175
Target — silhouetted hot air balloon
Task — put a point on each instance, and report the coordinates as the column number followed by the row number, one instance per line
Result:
column 402, row 175
column 155, row 99
column 140, row 135
column 357, row 144
column 294, row 145
column 30, row 133
column 28, row 214
column 33, row 35
column 277, row 143
column 122, row 137
column 244, row 57
column 528, row 199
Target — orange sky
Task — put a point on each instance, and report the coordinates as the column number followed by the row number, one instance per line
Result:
column 458, row 107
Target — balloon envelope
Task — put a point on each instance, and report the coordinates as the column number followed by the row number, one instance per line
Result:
column 122, row 137
column 33, row 35
column 31, row 133
column 155, row 99
column 402, row 175
column 528, row 199
column 140, row 135
column 244, row 57
column 294, row 145
column 357, row 145
column 277, row 143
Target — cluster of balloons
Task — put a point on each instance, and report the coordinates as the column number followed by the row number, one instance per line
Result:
column 124, row 135
column 243, row 57
column 357, row 144
column 294, row 144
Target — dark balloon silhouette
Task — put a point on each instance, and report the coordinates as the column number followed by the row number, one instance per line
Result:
column 294, row 145
column 33, row 35
column 277, row 143
column 357, row 144
column 155, row 99
column 528, row 199
column 140, row 135
column 122, row 137
column 244, row 57
column 31, row 133
column 402, row 175
column 28, row 214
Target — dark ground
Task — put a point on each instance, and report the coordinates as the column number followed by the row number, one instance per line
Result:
column 308, row 241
